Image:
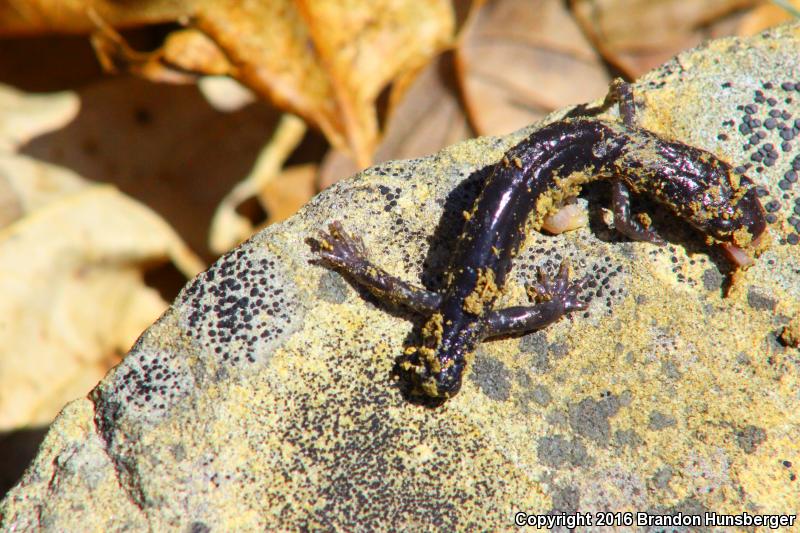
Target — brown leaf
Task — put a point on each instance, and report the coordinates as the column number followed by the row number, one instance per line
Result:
column 288, row 192
column 192, row 51
column 327, row 62
column 428, row 118
column 72, row 298
column 637, row 35
column 24, row 116
column 163, row 145
column 229, row 228
column 521, row 59
column 71, row 268
column 185, row 55
column 31, row 17
column 766, row 16
column 319, row 59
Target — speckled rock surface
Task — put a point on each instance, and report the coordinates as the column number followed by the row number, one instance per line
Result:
column 264, row 397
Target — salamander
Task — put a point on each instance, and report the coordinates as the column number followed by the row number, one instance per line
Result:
column 530, row 182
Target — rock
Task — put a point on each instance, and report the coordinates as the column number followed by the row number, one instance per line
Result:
column 264, row 398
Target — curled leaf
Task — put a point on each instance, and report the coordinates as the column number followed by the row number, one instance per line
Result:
column 521, row 59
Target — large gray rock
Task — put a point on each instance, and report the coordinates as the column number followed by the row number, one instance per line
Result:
column 264, row 397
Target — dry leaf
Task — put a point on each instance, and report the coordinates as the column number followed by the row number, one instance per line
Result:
column 321, row 60
column 521, row 59
column 71, row 258
column 766, row 16
column 229, row 228
column 225, row 94
column 428, row 118
column 184, row 56
column 288, row 192
column 637, row 35
column 192, row 51
column 393, row 38
column 336, row 165
column 163, row 145
column 32, row 17
column 24, row 116
column 71, row 279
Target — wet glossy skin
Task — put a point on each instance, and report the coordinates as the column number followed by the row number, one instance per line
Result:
column 532, row 179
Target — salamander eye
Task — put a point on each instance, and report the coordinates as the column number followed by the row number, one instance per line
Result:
column 720, row 228
column 724, row 224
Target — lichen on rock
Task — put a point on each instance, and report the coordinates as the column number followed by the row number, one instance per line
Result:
column 265, row 399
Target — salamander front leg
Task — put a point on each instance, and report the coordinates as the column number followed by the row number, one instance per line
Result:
column 347, row 253
column 624, row 222
column 621, row 92
column 554, row 300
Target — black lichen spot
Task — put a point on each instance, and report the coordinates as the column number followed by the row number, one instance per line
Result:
column 750, row 438
column 659, row 421
column 590, row 417
column 557, row 451
column 149, row 381
column 245, row 302
column 491, row 376
column 759, row 301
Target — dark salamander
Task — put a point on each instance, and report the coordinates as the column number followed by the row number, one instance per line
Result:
column 532, row 180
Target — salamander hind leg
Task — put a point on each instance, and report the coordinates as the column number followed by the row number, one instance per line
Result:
column 348, row 254
column 554, row 299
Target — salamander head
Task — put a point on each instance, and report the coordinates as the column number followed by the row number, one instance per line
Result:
column 733, row 216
